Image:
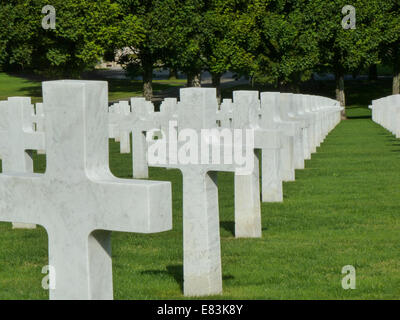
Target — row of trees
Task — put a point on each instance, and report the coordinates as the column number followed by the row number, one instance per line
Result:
column 281, row 42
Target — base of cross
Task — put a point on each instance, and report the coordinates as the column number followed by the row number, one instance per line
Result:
column 18, row 225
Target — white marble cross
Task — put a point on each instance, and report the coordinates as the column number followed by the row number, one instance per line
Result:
column 116, row 113
column 271, row 119
column 139, row 121
column 285, row 100
column 311, row 107
column 246, row 111
column 302, row 105
column 78, row 201
column 225, row 114
column 17, row 140
column 197, row 110
column 37, row 117
column 296, row 112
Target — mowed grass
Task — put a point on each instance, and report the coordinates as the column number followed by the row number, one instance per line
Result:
column 12, row 86
column 343, row 209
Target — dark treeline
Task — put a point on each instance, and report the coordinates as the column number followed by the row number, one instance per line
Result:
column 279, row 42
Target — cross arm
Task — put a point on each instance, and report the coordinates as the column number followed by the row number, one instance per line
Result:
column 268, row 139
column 140, row 206
column 34, row 140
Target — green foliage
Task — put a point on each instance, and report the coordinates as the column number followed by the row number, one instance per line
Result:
column 207, row 35
column 147, row 14
column 347, row 50
column 286, row 47
column 279, row 42
column 390, row 50
column 85, row 29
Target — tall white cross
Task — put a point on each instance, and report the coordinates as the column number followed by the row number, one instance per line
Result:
column 197, row 110
column 78, row 201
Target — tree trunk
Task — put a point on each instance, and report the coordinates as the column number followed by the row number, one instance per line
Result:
column 373, row 72
column 295, row 87
column 396, row 76
column 194, row 80
column 340, row 94
column 147, row 81
column 173, row 74
column 216, row 83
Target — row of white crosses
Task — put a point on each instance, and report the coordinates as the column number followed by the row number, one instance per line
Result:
column 286, row 134
column 386, row 112
column 287, row 129
column 77, row 200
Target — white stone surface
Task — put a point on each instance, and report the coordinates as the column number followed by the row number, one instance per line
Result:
column 285, row 100
column 17, row 140
column 116, row 113
column 77, row 200
column 246, row 111
column 386, row 112
column 37, row 118
column 271, row 119
column 197, row 110
column 138, row 122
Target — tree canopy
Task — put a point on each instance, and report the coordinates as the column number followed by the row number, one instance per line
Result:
column 280, row 42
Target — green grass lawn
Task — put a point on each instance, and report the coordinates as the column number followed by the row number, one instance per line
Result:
column 343, row 209
column 118, row 89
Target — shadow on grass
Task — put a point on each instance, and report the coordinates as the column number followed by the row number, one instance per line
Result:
column 228, row 226
column 175, row 271
column 31, row 91
column 358, row 117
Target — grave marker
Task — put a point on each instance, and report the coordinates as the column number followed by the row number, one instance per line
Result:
column 17, row 140
column 78, row 201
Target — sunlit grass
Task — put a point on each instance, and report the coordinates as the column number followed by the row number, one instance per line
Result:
column 343, row 209
column 13, row 86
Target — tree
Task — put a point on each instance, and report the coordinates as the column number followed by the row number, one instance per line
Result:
column 346, row 50
column 207, row 35
column 18, row 28
column 390, row 50
column 182, row 49
column 223, row 40
column 84, row 30
column 286, row 48
column 145, row 55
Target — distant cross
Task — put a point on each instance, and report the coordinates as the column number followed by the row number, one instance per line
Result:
column 284, row 102
column 142, row 119
column 18, row 139
column 78, row 201
column 116, row 113
column 246, row 110
column 271, row 119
